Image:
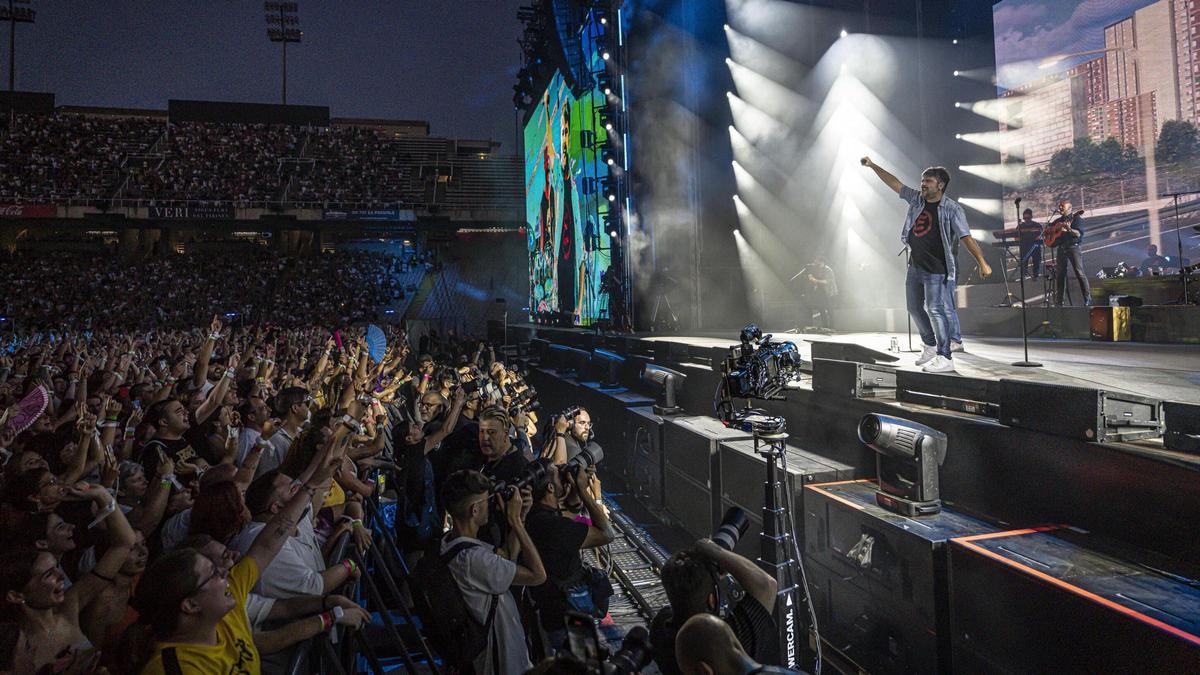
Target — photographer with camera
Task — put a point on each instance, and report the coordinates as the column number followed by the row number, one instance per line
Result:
column 573, row 434
column 570, row 585
column 691, row 581
column 484, row 575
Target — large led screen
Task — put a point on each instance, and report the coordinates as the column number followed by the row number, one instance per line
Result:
column 1098, row 104
column 565, row 208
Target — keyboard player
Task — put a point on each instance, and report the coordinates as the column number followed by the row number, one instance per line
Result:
column 1028, row 232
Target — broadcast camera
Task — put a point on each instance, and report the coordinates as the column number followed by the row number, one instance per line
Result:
column 758, row 369
column 761, row 368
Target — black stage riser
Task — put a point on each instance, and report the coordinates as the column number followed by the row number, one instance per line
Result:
column 1007, row 475
column 1069, row 602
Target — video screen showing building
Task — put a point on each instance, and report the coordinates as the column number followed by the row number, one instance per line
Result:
column 1099, row 102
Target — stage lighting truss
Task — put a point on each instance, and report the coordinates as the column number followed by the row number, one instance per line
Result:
column 611, row 120
column 608, row 154
column 605, row 82
column 611, row 190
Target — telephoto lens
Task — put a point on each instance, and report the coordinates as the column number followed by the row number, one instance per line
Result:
column 532, row 472
column 732, row 527
column 588, row 457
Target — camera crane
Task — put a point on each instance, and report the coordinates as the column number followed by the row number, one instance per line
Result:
column 760, row 369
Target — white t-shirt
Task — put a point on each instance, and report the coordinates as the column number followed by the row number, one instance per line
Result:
column 246, row 440
column 296, row 569
column 175, row 529
column 276, row 452
column 480, row 574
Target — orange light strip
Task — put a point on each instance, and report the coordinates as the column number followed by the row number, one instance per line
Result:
column 817, row 487
column 1104, row 602
column 1009, row 533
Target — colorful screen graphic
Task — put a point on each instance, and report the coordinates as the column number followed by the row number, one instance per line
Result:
column 565, row 207
column 1099, row 104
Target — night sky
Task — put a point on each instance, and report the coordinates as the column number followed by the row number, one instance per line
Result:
column 451, row 62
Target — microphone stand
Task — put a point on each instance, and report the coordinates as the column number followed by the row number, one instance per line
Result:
column 1026, row 363
column 1183, row 271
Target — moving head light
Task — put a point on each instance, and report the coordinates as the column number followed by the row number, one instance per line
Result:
column 907, row 459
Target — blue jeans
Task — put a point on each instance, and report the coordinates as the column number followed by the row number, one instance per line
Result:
column 930, row 299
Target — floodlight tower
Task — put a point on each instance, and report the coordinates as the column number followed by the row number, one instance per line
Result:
column 17, row 11
column 283, row 26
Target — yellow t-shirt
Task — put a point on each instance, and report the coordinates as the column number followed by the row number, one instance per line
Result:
column 335, row 497
column 234, row 653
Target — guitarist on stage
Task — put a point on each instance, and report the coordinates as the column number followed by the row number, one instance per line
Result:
column 1068, row 251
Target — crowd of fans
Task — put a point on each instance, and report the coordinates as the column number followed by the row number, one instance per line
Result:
column 83, row 291
column 150, row 160
column 50, row 158
column 210, row 162
column 171, row 501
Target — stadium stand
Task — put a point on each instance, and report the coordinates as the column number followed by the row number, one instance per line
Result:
column 108, row 157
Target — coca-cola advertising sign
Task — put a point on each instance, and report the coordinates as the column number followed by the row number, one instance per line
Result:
column 28, row 211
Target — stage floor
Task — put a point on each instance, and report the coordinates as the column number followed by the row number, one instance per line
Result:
column 1159, row 371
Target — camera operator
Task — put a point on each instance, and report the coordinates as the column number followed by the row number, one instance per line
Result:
column 559, row 538
column 484, row 576
column 690, row 579
column 572, row 434
column 707, row 646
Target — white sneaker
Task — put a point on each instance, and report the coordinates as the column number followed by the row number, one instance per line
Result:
column 939, row 364
column 927, row 355
column 956, row 346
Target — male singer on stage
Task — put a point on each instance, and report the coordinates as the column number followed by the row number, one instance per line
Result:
column 932, row 229
column 1069, row 252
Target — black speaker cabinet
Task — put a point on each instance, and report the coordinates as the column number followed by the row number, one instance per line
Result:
column 691, row 448
column 851, row 378
column 888, row 591
column 744, row 473
column 643, row 472
column 973, row 395
column 689, row 503
column 607, row 406
column 1183, row 427
column 1066, row 601
column 1077, row 412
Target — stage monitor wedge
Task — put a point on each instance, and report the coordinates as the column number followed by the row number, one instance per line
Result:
column 1077, row 412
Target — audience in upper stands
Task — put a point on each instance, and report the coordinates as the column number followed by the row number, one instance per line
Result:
column 146, row 159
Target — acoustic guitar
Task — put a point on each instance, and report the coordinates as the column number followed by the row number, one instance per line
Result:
column 1057, row 229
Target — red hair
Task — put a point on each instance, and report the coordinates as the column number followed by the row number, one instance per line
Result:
column 218, row 512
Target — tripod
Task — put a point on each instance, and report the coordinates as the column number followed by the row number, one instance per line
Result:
column 672, row 321
column 779, row 553
column 1010, row 299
